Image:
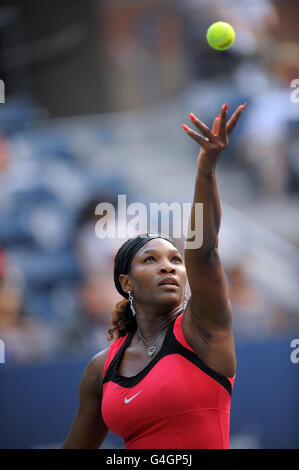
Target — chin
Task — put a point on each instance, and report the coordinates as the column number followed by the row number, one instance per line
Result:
column 170, row 298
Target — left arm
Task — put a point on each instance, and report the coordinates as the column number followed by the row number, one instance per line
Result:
column 207, row 322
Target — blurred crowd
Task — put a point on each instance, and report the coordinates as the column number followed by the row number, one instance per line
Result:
column 259, row 70
column 56, row 276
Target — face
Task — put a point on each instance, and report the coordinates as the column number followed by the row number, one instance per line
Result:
column 153, row 263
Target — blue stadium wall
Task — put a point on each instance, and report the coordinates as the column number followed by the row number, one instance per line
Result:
column 38, row 402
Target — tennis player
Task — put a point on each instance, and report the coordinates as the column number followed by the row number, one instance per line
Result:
column 166, row 380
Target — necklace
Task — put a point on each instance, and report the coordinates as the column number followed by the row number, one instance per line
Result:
column 152, row 349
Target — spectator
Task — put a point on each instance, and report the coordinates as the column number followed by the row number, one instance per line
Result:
column 254, row 316
column 26, row 338
column 96, row 255
column 269, row 112
column 97, row 294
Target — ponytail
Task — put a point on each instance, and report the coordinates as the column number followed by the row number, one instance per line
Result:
column 122, row 321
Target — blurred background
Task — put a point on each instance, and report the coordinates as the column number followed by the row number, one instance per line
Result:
column 95, row 95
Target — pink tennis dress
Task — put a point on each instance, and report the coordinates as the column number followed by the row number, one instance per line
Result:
column 175, row 402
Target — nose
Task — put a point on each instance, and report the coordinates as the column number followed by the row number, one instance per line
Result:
column 167, row 267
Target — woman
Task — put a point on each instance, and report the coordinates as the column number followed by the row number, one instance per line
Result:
column 166, row 380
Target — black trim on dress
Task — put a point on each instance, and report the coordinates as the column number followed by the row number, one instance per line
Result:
column 170, row 346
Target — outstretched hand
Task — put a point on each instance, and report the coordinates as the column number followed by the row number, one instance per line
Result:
column 216, row 138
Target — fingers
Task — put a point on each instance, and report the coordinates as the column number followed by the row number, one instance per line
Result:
column 215, row 127
column 202, row 127
column 234, row 118
column 220, row 127
column 195, row 136
column 222, row 123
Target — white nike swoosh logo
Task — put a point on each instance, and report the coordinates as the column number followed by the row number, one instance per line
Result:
column 127, row 400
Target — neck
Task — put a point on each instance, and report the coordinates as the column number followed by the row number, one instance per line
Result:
column 150, row 325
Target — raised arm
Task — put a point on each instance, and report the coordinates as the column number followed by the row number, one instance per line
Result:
column 207, row 320
column 88, row 429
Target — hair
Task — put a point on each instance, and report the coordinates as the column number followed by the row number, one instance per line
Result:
column 122, row 320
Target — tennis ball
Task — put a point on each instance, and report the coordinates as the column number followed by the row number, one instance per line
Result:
column 220, row 35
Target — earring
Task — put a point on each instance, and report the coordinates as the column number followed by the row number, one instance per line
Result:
column 131, row 303
column 185, row 301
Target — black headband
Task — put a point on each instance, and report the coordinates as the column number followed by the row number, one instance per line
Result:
column 127, row 251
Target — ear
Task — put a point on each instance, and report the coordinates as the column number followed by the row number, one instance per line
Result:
column 125, row 282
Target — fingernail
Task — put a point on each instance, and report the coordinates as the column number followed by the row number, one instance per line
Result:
column 186, row 128
column 225, row 107
column 244, row 105
column 219, row 115
column 192, row 116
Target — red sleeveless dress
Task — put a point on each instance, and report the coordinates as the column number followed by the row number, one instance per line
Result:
column 175, row 402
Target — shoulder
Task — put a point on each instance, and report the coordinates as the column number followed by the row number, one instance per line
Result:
column 93, row 374
column 99, row 363
column 98, row 360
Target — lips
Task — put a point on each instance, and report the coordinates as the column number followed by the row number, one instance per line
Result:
column 168, row 280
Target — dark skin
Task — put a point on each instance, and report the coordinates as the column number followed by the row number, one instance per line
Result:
column 156, row 306
column 207, row 320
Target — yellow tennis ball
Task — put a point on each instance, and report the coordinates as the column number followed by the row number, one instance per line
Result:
column 221, row 35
